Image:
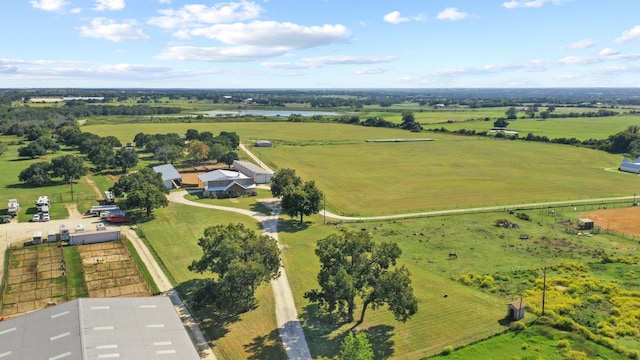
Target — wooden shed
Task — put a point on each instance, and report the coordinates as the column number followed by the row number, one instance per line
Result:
column 585, row 224
column 515, row 309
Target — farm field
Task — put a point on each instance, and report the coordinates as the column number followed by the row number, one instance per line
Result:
column 482, row 248
column 579, row 128
column 450, row 172
column 364, row 179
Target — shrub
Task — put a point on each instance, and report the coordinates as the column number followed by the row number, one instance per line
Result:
column 517, row 326
column 447, row 350
column 564, row 343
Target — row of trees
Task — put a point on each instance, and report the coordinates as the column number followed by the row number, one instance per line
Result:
column 197, row 146
column 66, row 167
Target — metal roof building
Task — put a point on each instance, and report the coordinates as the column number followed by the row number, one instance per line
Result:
column 259, row 175
column 99, row 328
column 169, row 174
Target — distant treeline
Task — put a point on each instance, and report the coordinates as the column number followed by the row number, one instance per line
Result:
column 352, row 98
column 22, row 120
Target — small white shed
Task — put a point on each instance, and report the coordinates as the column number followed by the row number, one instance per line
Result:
column 515, row 309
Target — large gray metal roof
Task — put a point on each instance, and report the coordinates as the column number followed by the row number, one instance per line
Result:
column 99, row 328
column 168, row 172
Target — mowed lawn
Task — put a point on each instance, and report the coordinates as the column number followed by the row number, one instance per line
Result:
column 173, row 235
column 451, row 172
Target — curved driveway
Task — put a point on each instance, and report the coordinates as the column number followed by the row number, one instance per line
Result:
column 291, row 334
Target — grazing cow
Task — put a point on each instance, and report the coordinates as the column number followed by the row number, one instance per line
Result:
column 453, row 256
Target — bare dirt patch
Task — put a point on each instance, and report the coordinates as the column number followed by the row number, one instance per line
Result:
column 623, row 220
column 109, row 270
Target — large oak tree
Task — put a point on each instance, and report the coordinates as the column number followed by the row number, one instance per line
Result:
column 352, row 265
column 241, row 260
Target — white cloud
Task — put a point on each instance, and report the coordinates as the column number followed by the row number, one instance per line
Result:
column 394, row 17
column 582, row 44
column 369, row 70
column 513, row 4
column 273, row 34
column 76, row 10
column 102, row 28
column 218, row 54
column 629, row 35
column 196, row 15
column 48, row 5
column 102, row 5
column 451, row 14
column 164, row 1
column 320, row 61
column 608, row 52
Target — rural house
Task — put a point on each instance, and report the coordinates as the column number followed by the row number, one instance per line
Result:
column 226, row 183
column 170, row 176
column 630, row 166
column 257, row 173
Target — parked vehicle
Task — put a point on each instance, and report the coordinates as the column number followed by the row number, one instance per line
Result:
column 6, row 219
column 45, row 217
column 119, row 219
column 36, row 218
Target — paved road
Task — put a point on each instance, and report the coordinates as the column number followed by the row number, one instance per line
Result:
column 289, row 327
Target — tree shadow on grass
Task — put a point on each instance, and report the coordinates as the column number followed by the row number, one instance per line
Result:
column 292, row 226
column 262, row 208
column 320, row 328
column 213, row 322
column 266, row 347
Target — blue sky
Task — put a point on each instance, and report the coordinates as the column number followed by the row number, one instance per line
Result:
column 320, row 43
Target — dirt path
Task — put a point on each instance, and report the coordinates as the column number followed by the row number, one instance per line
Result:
column 289, row 327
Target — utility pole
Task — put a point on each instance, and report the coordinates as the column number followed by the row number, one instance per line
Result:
column 544, row 287
column 324, row 206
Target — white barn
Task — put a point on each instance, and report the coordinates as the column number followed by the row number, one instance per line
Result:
column 169, row 175
column 257, row 173
column 630, row 166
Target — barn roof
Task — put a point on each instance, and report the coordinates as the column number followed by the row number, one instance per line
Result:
column 97, row 328
column 168, row 172
column 217, row 175
column 518, row 304
column 253, row 167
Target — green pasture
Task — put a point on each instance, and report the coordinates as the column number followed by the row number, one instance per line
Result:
column 451, row 172
column 361, row 178
column 579, row 128
column 173, row 236
column 467, row 314
column 535, row 342
column 247, row 203
column 427, row 116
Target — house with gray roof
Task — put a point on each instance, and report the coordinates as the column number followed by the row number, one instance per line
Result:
column 138, row 328
column 170, row 176
column 226, row 183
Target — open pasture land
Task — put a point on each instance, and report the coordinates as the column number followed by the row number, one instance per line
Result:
column 467, row 314
column 173, row 237
column 451, row 172
column 427, row 115
column 579, row 128
column 34, row 278
column 109, row 271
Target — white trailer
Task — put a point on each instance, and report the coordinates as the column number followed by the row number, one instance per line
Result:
column 96, row 210
column 52, row 236
column 94, row 237
column 13, row 207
